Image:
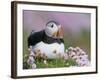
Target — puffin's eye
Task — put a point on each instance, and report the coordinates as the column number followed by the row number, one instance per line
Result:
column 52, row 25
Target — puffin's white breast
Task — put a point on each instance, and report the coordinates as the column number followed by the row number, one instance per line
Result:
column 50, row 50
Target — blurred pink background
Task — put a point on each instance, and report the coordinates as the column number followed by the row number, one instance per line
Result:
column 73, row 22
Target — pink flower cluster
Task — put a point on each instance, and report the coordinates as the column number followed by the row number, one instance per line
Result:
column 31, row 60
column 78, row 55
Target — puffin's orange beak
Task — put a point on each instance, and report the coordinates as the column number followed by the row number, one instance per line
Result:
column 60, row 33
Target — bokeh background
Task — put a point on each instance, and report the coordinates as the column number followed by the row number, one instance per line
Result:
column 76, row 27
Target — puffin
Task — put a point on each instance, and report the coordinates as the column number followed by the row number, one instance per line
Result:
column 48, row 41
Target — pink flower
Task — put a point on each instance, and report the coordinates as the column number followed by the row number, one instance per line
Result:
column 79, row 56
column 33, row 66
column 30, row 60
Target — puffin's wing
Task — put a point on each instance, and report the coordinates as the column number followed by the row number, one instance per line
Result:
column 35, row 37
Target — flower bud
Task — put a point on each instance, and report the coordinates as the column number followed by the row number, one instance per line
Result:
column 33, row 66
column 45, row 62
column 30, row 60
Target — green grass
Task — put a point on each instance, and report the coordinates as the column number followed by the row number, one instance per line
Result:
column 83, row 41
column 56, row 63
column 52, row 63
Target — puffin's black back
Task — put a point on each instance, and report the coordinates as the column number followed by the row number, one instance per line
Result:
column 37, row 37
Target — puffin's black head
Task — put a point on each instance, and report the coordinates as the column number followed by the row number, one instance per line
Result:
column 54, row 29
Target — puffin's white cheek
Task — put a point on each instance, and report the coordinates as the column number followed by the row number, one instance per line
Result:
column 54, row 31
column 48, row 32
